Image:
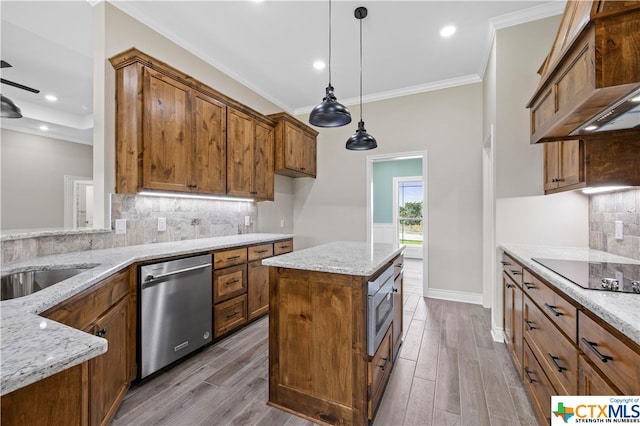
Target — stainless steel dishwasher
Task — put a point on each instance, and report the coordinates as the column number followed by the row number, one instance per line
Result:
column 175, row 313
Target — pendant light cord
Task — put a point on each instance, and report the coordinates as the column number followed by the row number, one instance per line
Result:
column 361, row 69
column 329, row 42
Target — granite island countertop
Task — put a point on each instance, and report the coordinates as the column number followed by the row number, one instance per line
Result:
column 619, row 310
column 33, row 348
column 340, row 257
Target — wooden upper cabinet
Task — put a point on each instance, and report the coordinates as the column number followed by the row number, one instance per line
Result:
column 563, row 166
column 166, row 138
column 174, row 133
column 591, row 66
column 295, row 147
column 209, row 170
column 249, row 156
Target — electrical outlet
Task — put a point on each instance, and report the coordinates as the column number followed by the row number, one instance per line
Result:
column 618, row 230
column 162, row 224
column 121, row 226
column 281, row 223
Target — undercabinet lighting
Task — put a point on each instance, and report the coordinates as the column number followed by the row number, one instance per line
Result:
column 600, row 189
column 447, row 31
column 319, row 65
column 590, row 128
column 51, row 98
column 43, row 128
column 636, row 99
column 198, row 197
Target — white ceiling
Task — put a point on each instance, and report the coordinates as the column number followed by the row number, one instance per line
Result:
column 268, row 46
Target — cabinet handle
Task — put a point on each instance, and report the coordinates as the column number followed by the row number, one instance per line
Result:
column 302, row 168
column 592, row 346
column 254, row 192
column 505, row 263
column 509, row 285
column 554, row 361
column 384, row 364
column 529, row 286
column 395, row 290
column 192, row 186
column 261, row 251
column 529, row 326
column 528, row 374
column 553, row 309
column 233, row 257
column 235, row 314
column 101, row 332
column 227, row 284
column 515, row 272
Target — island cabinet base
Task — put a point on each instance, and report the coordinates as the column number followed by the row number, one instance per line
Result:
column 318, row 362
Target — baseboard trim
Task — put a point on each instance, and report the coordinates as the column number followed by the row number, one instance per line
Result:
column 455, row 296
column 497, row 334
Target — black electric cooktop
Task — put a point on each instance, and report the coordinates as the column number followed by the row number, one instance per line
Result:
column 606, row 276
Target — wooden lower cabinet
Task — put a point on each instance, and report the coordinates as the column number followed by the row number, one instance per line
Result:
column 378, row 371
column 591, row 382
column 513, row 321
column 89, row 393
column 229, row 315
column 258, row 294
column 398, row 317
column 61, row 399
column 540, row 389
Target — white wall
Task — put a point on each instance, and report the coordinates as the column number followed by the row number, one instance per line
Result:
column 32, row 180
column 523, row 214
column 271, row 213
column 448, row 125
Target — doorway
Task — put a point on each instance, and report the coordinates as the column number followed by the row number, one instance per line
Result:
column 397, row 207
column 78, row 202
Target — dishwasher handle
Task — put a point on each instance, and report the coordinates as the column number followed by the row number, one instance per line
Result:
column 151, row 278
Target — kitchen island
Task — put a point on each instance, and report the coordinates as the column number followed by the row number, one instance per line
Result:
column 320, row 367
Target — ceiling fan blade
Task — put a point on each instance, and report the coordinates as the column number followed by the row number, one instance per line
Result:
column 19, row 86
column 5, row 64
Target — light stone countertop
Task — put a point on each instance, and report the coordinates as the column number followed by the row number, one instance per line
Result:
column 340, row 257
column 33, row 348
column 620, row 310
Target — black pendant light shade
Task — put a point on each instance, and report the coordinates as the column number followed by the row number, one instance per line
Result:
column 330, row 113
column 361, row 140
column 9, row 109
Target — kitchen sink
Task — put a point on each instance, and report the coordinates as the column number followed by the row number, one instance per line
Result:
column 24, row 283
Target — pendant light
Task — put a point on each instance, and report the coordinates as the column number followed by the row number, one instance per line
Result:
column 9, row 109
column 330, row 113
column 361, row 140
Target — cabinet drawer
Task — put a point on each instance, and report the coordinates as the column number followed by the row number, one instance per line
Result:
column 512, row 268
column 81, row 310
column 378, row 370
column 229, row 282
column 539, row 387
column 562, row 313
column 282, row 247
column 591, row 382
column 260, row 252
column 613, row 357
column 229, row 315
column 557, row 356
column 222, row 259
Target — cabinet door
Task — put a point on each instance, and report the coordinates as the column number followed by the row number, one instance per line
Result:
column 264, row 159
column 397, row 313
column 551, row 165
column 509, row 289
column 590, row 382
column 516, row 325
column 109, row 372
column 293, row 147
column 309, row 154
column 167, row 133
column 258, row 289
column 209, row 145
column 570, row 163
column 240, row 162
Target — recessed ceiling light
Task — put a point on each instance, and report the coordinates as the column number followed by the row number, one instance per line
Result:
column 319, row 65
column 43, row 128
column 51, row 98
column 447, row 31
column 590, row 128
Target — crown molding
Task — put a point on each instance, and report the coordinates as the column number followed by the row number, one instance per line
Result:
column 535, row 13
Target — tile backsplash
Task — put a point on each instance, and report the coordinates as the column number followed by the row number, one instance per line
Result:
column 604, row 211
column 186, row 218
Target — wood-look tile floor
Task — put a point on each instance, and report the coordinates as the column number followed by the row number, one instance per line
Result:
column 450, row 372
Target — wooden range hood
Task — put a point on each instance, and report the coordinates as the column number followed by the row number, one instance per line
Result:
column 593, row 68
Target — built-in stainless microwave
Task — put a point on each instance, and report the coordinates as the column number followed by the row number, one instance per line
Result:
column 380, row 309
